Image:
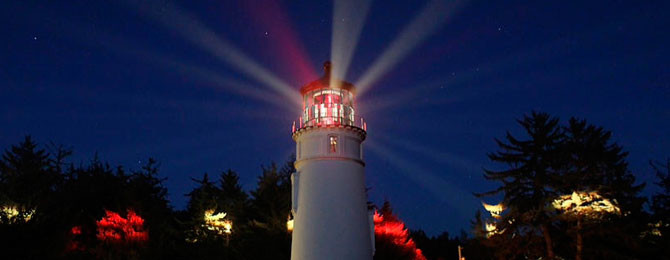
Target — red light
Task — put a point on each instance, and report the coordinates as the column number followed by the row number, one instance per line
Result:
column 75, row 244
column 76, row 230
column 394, row 229
column 113, row 228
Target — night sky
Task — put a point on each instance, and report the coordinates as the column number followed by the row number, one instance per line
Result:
column 189, row 85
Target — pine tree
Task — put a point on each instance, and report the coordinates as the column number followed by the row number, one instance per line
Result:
column 148, row 197
column 203, row 240
column 661, row 201
column 659, row 229
column 232, row 199
column 28, row 182
column 527, row 183
column 271, row 200
column 270, row 206
column 392, row 238
column 592, row 163
column 27, row 176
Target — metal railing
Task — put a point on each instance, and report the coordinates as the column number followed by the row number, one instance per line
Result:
column 329, row 121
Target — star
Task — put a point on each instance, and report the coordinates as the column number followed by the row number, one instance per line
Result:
column 35, row 38
column 267, row 34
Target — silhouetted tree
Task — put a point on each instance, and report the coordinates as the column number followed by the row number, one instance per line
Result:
column 270, row 207
column 392, row 238
column 527, row 183
column 591, row 162
column 148, row 197
column 202, row 199
column 28, row 180
column 555, row 162
column 27, row 176
column 661, row 201
column 440, row 247
column 233, row 200
column 658, row 231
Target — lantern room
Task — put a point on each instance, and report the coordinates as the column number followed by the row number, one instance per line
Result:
column 327, row 102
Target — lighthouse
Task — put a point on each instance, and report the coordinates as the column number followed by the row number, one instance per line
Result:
column 329, row 202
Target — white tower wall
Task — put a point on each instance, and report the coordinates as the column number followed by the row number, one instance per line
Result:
column 329, row 199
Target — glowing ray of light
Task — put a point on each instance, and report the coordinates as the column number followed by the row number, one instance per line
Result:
column 213, row 79
column 431, row 18
column 231, row 85
column 455, row 197
column 285, row 42
column 399, row 99
column 457, row 82
column 442, row 157
column 198, row 34
column 348, row 20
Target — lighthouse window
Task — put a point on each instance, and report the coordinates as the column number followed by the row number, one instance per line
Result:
column 333, row 144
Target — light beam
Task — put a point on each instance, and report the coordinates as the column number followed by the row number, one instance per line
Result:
column 431, row 18
column 212, row 78
column 348, row 20
column 447, row 158
column 457, row 82
column 198, row 34
column 446, row 192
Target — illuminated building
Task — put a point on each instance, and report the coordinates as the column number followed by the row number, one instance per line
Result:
column 329, row 202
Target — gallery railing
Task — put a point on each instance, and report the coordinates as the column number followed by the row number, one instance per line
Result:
column 331, row 121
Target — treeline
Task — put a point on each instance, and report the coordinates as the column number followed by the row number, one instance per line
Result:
column 565, row 193
column 50, row 209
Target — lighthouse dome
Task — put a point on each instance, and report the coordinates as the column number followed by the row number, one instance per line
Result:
column 328, row 102
column 327, row 82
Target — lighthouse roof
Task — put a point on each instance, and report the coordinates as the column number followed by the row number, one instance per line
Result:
column 325, row 82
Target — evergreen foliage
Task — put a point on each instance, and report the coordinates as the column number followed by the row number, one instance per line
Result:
column 528, row 183
column 551, row 161
column 52, row 208
column 658, row 230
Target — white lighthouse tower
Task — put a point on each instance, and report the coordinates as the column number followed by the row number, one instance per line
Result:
column 331, row 219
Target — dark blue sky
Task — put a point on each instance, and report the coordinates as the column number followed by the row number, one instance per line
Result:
column 113, row 79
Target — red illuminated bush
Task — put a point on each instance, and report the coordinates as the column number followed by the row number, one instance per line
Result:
column 114, row 229
column 392, row 238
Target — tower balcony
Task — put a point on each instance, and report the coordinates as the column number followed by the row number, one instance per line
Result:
column 354, row 122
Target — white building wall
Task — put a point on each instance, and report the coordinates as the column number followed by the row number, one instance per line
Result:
column 331, row 215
